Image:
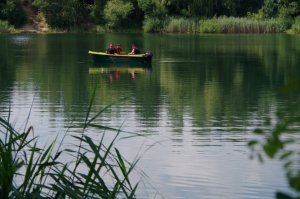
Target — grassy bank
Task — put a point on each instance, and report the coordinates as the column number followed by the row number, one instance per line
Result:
column 193, row 25
column 94, row 169
column 243, row 25
column 226, row 25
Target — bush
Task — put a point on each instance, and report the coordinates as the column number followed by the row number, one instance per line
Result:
column 210, row 26
column 296, row 26
column 12, row 12
column 5, row 27
column 152, row 25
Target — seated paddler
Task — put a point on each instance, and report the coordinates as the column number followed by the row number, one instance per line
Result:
column 134, row 50
column 111, row 49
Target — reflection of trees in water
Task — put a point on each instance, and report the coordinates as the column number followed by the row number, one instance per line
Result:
column 7, row 73
column 55, row 62
column 7, row 69
column 229, row 75
column 228, row 84
column 207, row 76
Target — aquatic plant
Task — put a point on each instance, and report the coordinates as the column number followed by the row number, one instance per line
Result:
column 182, row 25
column 242, row 25
column 93, row 170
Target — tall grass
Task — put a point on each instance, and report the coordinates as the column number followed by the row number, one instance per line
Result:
column 242, row 25
column 221, row 25
column 182, row 25
column 95, row 169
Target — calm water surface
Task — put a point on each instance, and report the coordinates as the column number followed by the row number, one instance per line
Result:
column 197, row 105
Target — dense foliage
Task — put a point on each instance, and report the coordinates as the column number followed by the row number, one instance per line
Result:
column 11, row 11
column 152, row 15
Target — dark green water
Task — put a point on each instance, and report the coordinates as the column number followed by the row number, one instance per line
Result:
column 198, row 104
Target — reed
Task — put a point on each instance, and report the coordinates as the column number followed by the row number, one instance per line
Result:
column 182, row 25
column 27, row 171
column 242, row 25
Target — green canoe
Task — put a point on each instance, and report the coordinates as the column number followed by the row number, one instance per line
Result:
column 102, row 57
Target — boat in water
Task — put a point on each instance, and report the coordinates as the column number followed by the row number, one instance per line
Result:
column 104, row 58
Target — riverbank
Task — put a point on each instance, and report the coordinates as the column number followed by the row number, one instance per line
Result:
column 37, row 24
column 232, row 25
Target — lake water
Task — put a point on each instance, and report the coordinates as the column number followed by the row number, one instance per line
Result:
column 197, row 106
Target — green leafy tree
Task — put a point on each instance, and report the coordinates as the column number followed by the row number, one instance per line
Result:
column 270, row 8
column 114, row 14
column 155, row 13
column 210, row 8
column 97, row 11
column 59, row 13
column 11, row 11
column 289, row 9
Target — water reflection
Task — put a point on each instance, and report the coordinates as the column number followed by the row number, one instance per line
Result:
column 201, row 99
column 21, row 40
column 116, row 72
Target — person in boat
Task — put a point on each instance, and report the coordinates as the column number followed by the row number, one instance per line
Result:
column 134, row 50
column 111, row 49
column 118, row 49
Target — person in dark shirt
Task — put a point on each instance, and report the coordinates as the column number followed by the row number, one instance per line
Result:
column 111, row 49
column 134, row 50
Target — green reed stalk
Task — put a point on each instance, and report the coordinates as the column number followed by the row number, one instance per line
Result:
column 27, row 171
column 243, row 25
column 182, row 25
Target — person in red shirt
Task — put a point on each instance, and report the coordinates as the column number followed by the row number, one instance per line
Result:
column 118, row 49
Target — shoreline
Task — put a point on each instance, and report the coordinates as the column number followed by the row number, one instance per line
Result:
column 220, row 25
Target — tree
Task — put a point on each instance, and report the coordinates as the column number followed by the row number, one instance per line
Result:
column 11, row 11
column 155, row 13
column 270, row 8
column 114, row 14
column 59, row 13
column 98, row 11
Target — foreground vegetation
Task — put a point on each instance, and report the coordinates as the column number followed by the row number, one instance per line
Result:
column 279, row 140
column 95, row 170
column 278, row 143
column 261, row 16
